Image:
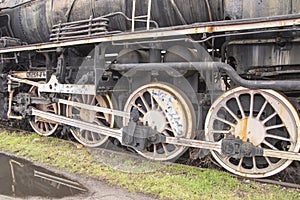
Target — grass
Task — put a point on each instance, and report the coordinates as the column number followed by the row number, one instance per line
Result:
column 165, row 182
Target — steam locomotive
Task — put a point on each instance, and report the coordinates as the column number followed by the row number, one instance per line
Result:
column 159, row 76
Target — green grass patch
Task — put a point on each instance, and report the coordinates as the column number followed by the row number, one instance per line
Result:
column 166, row 182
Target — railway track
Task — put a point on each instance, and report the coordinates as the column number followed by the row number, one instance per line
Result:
column 289, row 178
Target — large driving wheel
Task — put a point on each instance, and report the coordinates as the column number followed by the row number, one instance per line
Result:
column 39, row 125
column 85, row 137
column 265, row 118
column 166, row 109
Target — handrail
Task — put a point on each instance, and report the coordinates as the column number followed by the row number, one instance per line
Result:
column 136, row 17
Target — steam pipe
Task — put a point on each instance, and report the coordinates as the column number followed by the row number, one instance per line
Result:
column 281, row 85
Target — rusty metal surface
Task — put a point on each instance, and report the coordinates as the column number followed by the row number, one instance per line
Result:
column 271, row 52
column 55, row 87
column 32, row 22
column 30, row 75
column 237, row 9
column 210, row 27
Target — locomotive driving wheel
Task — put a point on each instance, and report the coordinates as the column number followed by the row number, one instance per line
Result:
column 166, row 109
column 39, row 125
column 263, row 117
column 85, row 137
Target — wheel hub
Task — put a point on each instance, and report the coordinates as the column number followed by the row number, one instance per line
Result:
column 87, row 115
column 166, row 108
column 250, row 129
column 264, row 117
column 85, row 137
column 42, row 126
column 155, row 120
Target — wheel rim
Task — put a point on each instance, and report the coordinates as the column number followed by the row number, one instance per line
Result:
column 167, row 109
column 39, row 125
column 88, row 138
column 263, row 117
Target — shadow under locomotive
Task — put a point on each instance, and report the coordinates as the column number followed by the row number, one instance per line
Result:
column 20, row 178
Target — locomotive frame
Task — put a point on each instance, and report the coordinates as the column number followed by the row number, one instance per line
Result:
column 162, row 110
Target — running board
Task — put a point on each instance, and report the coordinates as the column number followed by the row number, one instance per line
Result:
column 228, row 147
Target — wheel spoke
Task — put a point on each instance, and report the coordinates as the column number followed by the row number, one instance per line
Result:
column 76, row 108
column 274, row 127
column 84, row 98
column 170, row 128
column 165, row 149
column 225, row 121
column 221, row 131
column 269, row 145
column 239, row 167
column 268, row 161
column 160, row 103
column 144, row 102
column 279, row 138
column 240, row 106
column 139, row 108
column 100, row 117
column 152, row 102
column 251, row 104
column 51, row 126
column 89, row 99
column 98, row 122
column 46, row 126
column 39, row 125
column 231, row 113
column 166, row 133
column 154, row 150
column 269, row 118
column 88, row 138
column 227, row 158
column 262, row 110
column 254, row 164
column 93, row 136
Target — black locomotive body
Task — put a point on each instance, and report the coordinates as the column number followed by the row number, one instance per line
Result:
column 159, row 76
